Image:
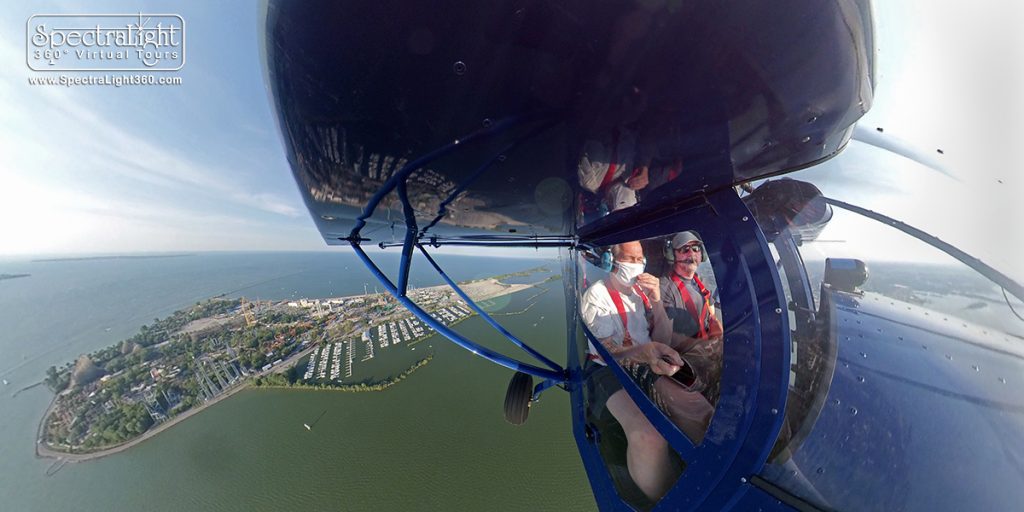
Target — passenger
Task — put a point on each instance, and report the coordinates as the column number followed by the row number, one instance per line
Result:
column 612, row 171
column 625, row 313
column 696, row 330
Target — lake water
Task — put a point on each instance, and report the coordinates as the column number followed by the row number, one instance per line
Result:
column 434, row 441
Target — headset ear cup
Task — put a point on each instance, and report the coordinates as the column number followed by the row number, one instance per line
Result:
column 606, row 261
column 670, row 256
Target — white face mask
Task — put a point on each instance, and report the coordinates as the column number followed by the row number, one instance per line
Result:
column 627, row 273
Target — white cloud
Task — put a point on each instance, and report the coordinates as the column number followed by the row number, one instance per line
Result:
column 74, row 179
column 38, row 219
column 269, row 202
column 104, row 145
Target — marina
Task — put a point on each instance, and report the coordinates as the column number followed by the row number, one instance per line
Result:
column 334, row 362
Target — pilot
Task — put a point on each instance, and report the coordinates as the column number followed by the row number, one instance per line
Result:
column 625, row 312
column 696, row 330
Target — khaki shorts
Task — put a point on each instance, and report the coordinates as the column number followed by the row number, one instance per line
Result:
column 601, row 383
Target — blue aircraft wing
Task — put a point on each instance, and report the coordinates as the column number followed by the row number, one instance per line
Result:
column 483, row 111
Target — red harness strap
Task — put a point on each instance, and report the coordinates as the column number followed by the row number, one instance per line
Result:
column 643, row 297
column 627, row 340
column 675, row 170
column 613, row 163
column 701, row 318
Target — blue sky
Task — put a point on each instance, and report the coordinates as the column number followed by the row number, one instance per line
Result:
column 199, row 166
column 147, row 168
column 949, row 77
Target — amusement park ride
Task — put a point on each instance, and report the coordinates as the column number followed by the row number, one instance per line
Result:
column 578, row 125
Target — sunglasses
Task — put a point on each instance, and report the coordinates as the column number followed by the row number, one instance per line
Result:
column 688, row 248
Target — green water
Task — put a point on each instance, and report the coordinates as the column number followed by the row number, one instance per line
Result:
column 437, row 440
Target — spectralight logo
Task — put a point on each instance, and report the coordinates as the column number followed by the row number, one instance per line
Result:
column 105, row 42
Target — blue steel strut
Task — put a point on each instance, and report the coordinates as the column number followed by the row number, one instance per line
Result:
column 458, row 339
column 483, row 314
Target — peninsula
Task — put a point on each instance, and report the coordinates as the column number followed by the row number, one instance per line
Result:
column 119, row 396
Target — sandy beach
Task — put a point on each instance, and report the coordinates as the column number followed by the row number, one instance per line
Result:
column 486, row 288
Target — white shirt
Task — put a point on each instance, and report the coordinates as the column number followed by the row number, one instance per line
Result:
column 602, row 317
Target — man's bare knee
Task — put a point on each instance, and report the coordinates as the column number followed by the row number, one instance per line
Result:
column 639, row 431
column 646, row 438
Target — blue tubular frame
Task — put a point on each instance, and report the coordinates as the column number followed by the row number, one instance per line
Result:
column 600, row 480
column 410, row 239
column 755, row 373
column 536, row 242
column 543, row 386
column 483, row 314
column 455, row 337
column 557, row 374
column 977, row 265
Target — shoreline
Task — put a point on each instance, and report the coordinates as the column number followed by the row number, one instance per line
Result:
column 485, row 289
column 44, row 452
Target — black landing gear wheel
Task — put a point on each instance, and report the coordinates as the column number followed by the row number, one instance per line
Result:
column 517, row 398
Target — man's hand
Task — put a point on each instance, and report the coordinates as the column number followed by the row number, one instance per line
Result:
column 660, row 357
column 650, row 285
column 639, row 179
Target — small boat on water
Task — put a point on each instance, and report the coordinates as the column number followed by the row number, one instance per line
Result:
column 5, row 382
column 309, row 426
